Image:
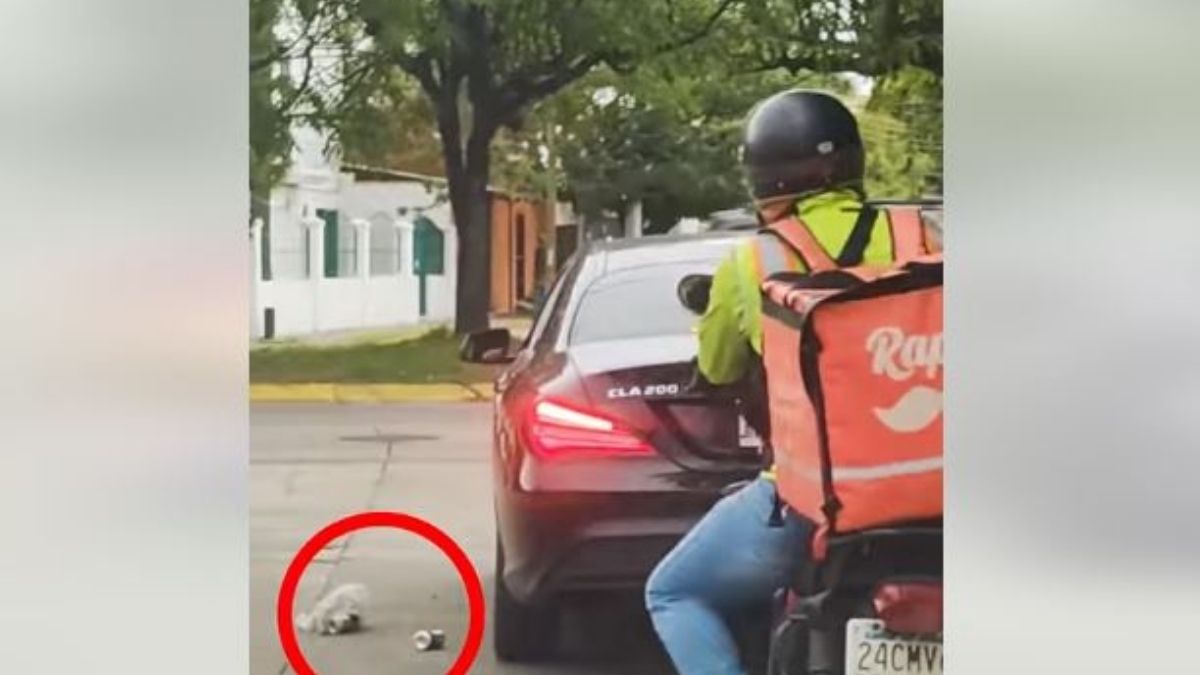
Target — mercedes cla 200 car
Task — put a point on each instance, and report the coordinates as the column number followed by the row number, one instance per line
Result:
column 603, row 456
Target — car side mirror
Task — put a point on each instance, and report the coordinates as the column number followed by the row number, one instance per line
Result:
column 693, row 291
column 492, row 346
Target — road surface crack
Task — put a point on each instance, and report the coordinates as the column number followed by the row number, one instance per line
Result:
column 349, row 538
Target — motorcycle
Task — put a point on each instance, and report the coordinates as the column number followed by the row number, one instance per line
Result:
column 871, row 606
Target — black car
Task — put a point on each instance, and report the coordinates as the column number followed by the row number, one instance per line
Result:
column 603, row 455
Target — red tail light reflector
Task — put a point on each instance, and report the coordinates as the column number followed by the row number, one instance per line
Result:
column 557, row 429
column 913, row 607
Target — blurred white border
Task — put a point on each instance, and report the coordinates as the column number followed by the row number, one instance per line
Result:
column 123, row 314
column 1074, row 380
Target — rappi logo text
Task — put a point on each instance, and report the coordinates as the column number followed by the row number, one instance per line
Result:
column 900, row 357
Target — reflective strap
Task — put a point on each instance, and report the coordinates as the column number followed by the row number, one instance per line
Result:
column 768, row 255
column 933, row 231
column 756, row 258
column 908, row 236
column 800, row 238
column 772, row 255
column 878, row 471
column 891, row 470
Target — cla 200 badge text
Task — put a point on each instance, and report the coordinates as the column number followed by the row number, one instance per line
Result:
column 642, row 392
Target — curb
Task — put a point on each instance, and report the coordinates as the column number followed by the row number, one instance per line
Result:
column 328, row 392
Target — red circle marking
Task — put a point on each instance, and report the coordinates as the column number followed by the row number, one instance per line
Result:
column 466, row 571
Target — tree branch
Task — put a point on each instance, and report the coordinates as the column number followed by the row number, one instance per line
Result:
column 548, row 77
column 444, row 96
column 700, row 33
column 302, row 88
column 523, row 90
column 284, row 50
column 420, row 66
column 352, row 82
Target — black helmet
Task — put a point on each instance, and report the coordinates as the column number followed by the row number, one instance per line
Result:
column 798, row 142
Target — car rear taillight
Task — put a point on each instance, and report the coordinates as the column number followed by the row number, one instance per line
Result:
column 910, row 607
column 556, row 429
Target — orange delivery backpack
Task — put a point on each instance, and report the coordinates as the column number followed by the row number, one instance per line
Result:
column 853, row 363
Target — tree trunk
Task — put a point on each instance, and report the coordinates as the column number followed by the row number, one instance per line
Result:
column 471, row 206
column 472, row 219
column 467, row 175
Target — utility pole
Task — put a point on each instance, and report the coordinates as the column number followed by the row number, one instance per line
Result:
column 633, row 219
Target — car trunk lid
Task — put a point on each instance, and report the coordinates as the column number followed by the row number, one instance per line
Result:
column 645, row 382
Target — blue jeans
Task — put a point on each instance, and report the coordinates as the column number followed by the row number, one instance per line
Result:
column 732, row 560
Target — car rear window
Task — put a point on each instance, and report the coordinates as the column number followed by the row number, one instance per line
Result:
column 638, row 302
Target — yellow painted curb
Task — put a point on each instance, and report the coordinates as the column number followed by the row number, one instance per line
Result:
column 483, row 390
column 292, row 392
column 369, row 393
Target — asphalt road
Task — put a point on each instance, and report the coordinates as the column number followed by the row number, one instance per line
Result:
column 313, row 463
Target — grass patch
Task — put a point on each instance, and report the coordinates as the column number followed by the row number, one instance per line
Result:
column 430, row 357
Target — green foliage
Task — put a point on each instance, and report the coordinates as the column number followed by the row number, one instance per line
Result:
column 897, row 168
column 491, row 60
column 481, row 66
column 911, row 99
column 666, row 136
column 870, row 37
column 507, row 55
column 270, row 137
column 607, row 101
column 393, row 127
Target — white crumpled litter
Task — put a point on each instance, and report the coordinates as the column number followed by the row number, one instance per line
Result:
column 340, row 611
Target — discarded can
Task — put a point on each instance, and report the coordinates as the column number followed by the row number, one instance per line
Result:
column 429, row 640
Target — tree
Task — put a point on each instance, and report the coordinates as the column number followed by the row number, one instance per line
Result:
column 481, row 64
column 869, row 37
column 911, row 99
column 898, row 166
column 482, row 77
column 270, row 137
column 897, row 43
column 391, row 126
column 666, row 136
column 285, row 81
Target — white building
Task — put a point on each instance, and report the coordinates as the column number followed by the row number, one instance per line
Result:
column 334, row 249
column 352, row 252
column 340, row 247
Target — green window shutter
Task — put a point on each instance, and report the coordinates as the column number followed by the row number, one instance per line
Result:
column 429, row 247
column 265, row 262
column 331, row 241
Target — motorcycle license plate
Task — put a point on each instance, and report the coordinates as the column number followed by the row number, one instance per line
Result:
column 871, row 650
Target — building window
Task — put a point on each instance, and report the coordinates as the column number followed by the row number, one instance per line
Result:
column 399, row 236
column 384, row 246
column 348, row 251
